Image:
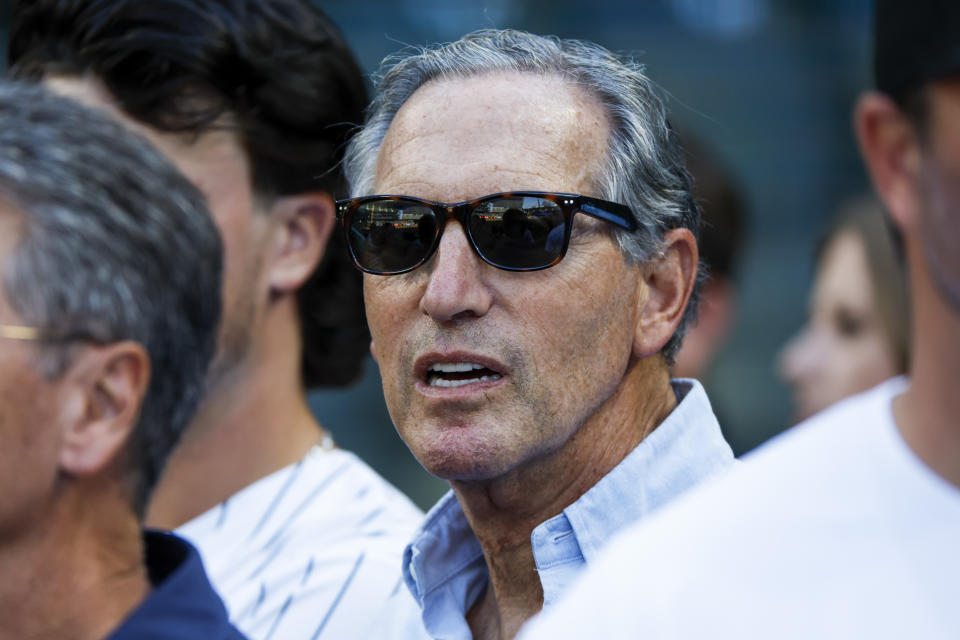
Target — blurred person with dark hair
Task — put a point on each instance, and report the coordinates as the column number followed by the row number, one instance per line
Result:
column 525, row 314
column 847, row 525
column 720, row 243
column 254, row 101
column 857, row 332
column 109, row 280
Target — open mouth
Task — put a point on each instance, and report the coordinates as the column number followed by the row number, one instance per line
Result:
column 458, row 374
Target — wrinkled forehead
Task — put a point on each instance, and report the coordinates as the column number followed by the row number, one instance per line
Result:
column 461, row 138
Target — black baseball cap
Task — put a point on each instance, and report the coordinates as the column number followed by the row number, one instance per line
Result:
column 915, row 41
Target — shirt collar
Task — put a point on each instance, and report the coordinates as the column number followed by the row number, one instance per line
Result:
column 444, row 567
column 683, row 450
column 182, row 604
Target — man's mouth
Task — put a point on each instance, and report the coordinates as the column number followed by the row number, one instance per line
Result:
column 458, row 374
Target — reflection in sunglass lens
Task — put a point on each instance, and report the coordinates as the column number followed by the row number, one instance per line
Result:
column 521, row 232
column 391, row 235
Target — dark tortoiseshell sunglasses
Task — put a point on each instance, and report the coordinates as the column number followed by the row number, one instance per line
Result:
column 516, row 231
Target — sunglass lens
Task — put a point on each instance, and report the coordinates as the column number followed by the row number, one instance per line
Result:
column 521, row 232
column 387, row 236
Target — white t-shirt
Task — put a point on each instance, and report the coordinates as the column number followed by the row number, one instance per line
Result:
column 310, row 551
column 834, row 530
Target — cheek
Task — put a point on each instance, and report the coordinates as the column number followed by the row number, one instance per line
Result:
column 240, row 229
column 244, row 236
column 31, row 442
column 847, row 360
column 941, row 230
column 874, row 362
column 590, row 324
column 388, row 302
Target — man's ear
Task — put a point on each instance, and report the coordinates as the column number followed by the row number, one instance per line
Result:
column 669, row 281
column 891, row 152
column 106, row 386
column 303, row 226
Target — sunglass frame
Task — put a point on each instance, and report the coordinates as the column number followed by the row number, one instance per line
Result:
column 614, row 213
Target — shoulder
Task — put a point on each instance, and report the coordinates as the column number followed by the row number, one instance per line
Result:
column 326, row 496
column 798, row 473
column 831, row 524
column 316, row 546
column 803, row 461
column 182, row 603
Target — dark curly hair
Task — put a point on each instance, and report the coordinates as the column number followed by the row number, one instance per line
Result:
column 281, row 71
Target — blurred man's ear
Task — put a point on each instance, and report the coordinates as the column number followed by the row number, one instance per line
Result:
column 669, row 280
column 891, row 152
column 303, row 226
column 105, row 387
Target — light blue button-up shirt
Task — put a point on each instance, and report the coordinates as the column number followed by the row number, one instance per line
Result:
column 444, row 568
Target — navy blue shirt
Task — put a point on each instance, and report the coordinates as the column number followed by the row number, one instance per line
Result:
column 182, row 605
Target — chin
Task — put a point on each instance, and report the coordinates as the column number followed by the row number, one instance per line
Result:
column 449, row 466
column 459, row 457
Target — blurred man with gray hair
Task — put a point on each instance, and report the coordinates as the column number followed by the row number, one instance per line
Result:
column 253, row 100
column 109, row 304
column 524, row 221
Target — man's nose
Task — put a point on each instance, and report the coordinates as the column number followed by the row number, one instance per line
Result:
column 457, row 287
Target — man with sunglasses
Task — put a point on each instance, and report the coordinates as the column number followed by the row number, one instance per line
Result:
column 110, row 267
column 254, row 101
column 524, row 221
column 847, row 525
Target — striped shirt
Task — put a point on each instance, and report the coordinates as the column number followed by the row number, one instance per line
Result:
column 310, row 551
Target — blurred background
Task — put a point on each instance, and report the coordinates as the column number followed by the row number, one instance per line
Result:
column 766, row 89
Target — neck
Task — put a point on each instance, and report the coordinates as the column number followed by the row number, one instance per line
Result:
column 254, row 421
column 77, row 573
column 504, row 512
column 926, row 414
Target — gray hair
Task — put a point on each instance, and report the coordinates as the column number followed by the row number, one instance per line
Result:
column 644, row 167
column 116, row 245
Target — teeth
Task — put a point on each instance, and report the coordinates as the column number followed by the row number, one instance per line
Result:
column 455, row 367
column 440, row 374
column 443, row 382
